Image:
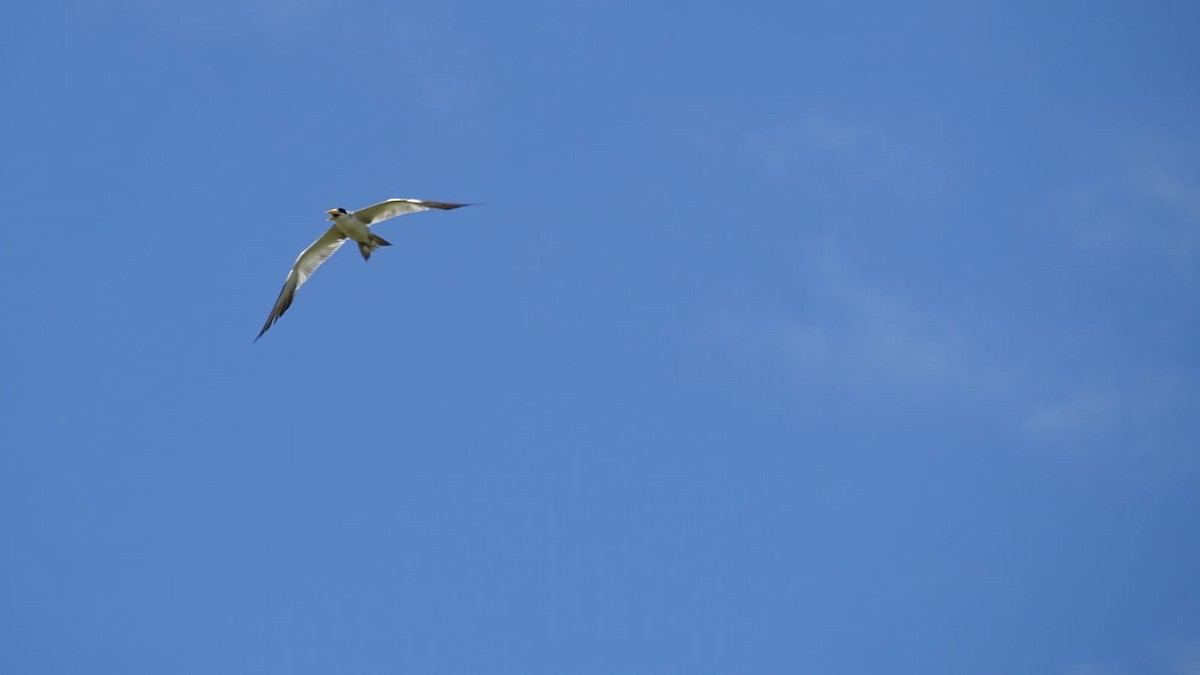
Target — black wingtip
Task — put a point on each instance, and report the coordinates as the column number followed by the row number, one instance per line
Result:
column 449, row 206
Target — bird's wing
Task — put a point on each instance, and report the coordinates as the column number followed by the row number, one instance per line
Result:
column 308, row 262
column 398, row 207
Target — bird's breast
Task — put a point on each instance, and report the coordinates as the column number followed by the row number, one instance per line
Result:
column 354, row 229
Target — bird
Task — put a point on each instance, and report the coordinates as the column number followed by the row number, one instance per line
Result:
column 346, row 225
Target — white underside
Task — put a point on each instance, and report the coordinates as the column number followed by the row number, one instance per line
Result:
column 354, row 229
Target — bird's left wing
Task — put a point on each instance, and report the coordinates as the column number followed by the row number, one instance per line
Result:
column 308, row 262
column 398, row 207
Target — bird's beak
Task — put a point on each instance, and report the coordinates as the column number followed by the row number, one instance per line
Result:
column 331, row 213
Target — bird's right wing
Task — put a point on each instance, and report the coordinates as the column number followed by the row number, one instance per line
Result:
column 308, row 262
column 398, row 207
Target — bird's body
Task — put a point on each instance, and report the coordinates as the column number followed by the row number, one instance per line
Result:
column 351, row 227
column 354, row 225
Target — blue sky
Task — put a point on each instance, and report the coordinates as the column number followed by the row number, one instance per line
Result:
column 826, row 337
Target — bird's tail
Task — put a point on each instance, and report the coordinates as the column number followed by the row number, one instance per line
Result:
column 376, row 242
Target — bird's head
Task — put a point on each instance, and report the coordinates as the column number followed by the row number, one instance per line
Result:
column 334, row 214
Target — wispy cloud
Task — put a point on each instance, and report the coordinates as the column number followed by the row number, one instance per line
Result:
column 1144, row 414
column 1085, row 413
column 868, row 340
column 821, row 152
column 235, row 17
column 1167, row 657
column 1135, row 222
column 849, row 335
column 432, row 65
column 1176, row 195
column 1091, row 669
column 1186, row 663
column 1179, row 656
column 1145, row 210
column 1174, row 191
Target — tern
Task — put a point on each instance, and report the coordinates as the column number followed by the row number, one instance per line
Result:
column 346, row 225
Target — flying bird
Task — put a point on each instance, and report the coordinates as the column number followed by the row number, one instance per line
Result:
column 346, row 225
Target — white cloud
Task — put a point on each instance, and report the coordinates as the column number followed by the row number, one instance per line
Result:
column 1087, row 412
column 1133, row 221
column 1186, row 664
column 1064, row 382
column 847, row 335
column 237, row 17
column 1181, row 657
column 432, row 65
column 868, row 340
column 1173, row 190
column 1091, row 669
column 1167, row 657
column 1177, row 196
column 819, row 152
column 1145, row 211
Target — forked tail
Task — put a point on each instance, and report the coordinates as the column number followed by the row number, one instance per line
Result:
column 376, row 242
